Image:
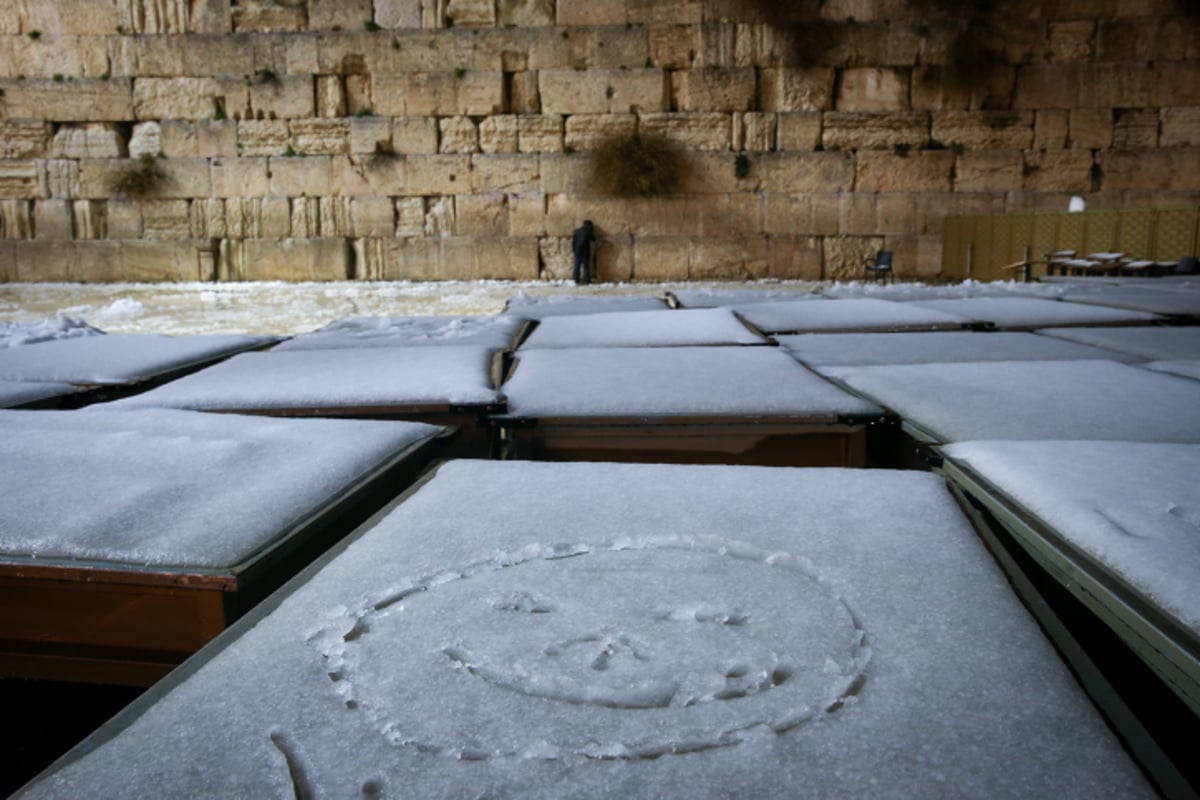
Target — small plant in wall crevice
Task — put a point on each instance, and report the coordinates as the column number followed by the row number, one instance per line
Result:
column 636, row 165
column 141, row 177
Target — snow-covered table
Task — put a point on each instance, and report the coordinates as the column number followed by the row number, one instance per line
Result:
column 498, row 332
column 1167, row 301
column 644, row 631
column 1120, row 534
column 821, row 350
column 1171, row 343
column 22, row 394
column 439, row 385
column 699, row 327
column 128, row 539
column 719, row 298
column 729, row 405
column 1028, row 313
column 856, row 314
column 542, row 306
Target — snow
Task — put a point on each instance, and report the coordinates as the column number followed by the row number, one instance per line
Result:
column 13, row 334
column 672, row 381
column 17, row 393
column 1035, row 400
column 853, row 314
column 919, row 291
column 117, row 358
column 1129, row 506
column 1189, row 368
column 369, row 377
column 701, row 632
column 1171, row 302
column 715, row 326
column 538, row 307
column 497, row 331
column 1144, row 343
column 717, row 298
column 864, row 349
column 175, row 489
column 1032, row 312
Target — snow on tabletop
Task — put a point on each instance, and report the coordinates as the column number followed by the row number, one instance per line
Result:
column 16, row 393
column 1032, row 312
column 862, row 349
column 1188, row 369
column 14, row 334
column 852, row 314
column 175, row 488
column 672, row 381
column 698, row 632
column 369, row 377
column 717, row 298
column 1035, row 400
column 117, row 358
column 537, row 307
column 1131, row 506
column 1156, row 301
column 920, row 291
column 497, row 331
column 1153, row 343
column 705, row 326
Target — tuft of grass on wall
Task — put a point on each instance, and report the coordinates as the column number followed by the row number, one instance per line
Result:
column 637, row 165
column 142, row 177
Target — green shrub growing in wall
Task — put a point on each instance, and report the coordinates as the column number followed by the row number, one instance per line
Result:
column 142, row 177
column 636, row 165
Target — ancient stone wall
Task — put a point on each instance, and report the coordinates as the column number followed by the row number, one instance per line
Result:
column 451, row 139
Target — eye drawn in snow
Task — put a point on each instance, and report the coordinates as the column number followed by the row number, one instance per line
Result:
column 632, row 649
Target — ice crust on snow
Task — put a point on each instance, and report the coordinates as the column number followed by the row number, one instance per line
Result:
column 497, row 331
column 865, row 349
column 672, row 381
column 721, row 631
column 1175, row 343
column 1189, row 368
column 715, row 326
column 16, row 393
column 539, row 306
column 116, row 359
column 1035, row 400
column 1032, row 312
column 60, row 326
column 175, row 488
column 852, row 314
column 1129, row 506
column 369, row 377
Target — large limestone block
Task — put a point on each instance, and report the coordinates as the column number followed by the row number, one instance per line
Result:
column 216, row 138
column 873, row 89
column 857, row 214
column 844, row 130
column 335, row 216
column 806, row 172
column 372, row 216
column 614, row 259
column 1180, row 128
column 668, row 216
column 285, row 97
column 674, row 46
column 178, row 139
column 602, row 91
column 1071, row 40
column 787, row 89
column 1137, row 128
column 511, row 173
column 527, row 214
column 208, row 219
column 294, row 260
column 540, row 133
column 714, row 89
column 1165, row 169
column 655, row 12
column 348, row 15
column 1171, row 83
column 736, row 258
column 467, row 92
column 566, row 174
column 38, row 262
column 175, row 98
column 438, row 174
column 471, row 13
column 8, row 262
column 660, row 258
column 754, row 131
column 1091, row 128
column 414, row 135
column 586, row 131
column 398, row 13
column 25, row 139
column 410, row 216
column 90, row 219
column 369, row 135
column 984, row 130
column 62, row 17
column 589, row 12
column 800, row 130
column 321, row 136
column 466, row 258
column 145, row 140
column 1058, row 171
column 19, row 178
column 154, row 261
column 525, row 13
column 166, row 219
column 897, row 213
column 97, row 140
column 457, row 135
column 926, row 171
column 792, row 214
column 383, row 174
column 263, row 137
column 1129, row 85
column 299, row 176
column 67, row 57
column 53, row 220
column 481, row 215
column 499, row 134
column 691, row 131
column 330, row 96
column 523, row 94
column 410, row 259
column 555, row 261
column 1051, row 126
column 124, row 218
column 989, row 171
column 79, row 100
column 1041, row 86
column 794, row 258
column 938, row 87
column 62, row 177
column 844, row 256
column 240, row 177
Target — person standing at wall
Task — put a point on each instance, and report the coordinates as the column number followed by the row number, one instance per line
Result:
column 583, row 246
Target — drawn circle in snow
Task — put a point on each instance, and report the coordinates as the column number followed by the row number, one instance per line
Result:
column 630, row 651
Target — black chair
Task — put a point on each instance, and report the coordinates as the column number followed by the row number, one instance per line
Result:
column 881, row 268
column 1186, row 266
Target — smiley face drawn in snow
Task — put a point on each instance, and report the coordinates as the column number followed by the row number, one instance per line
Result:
column 641, row 650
